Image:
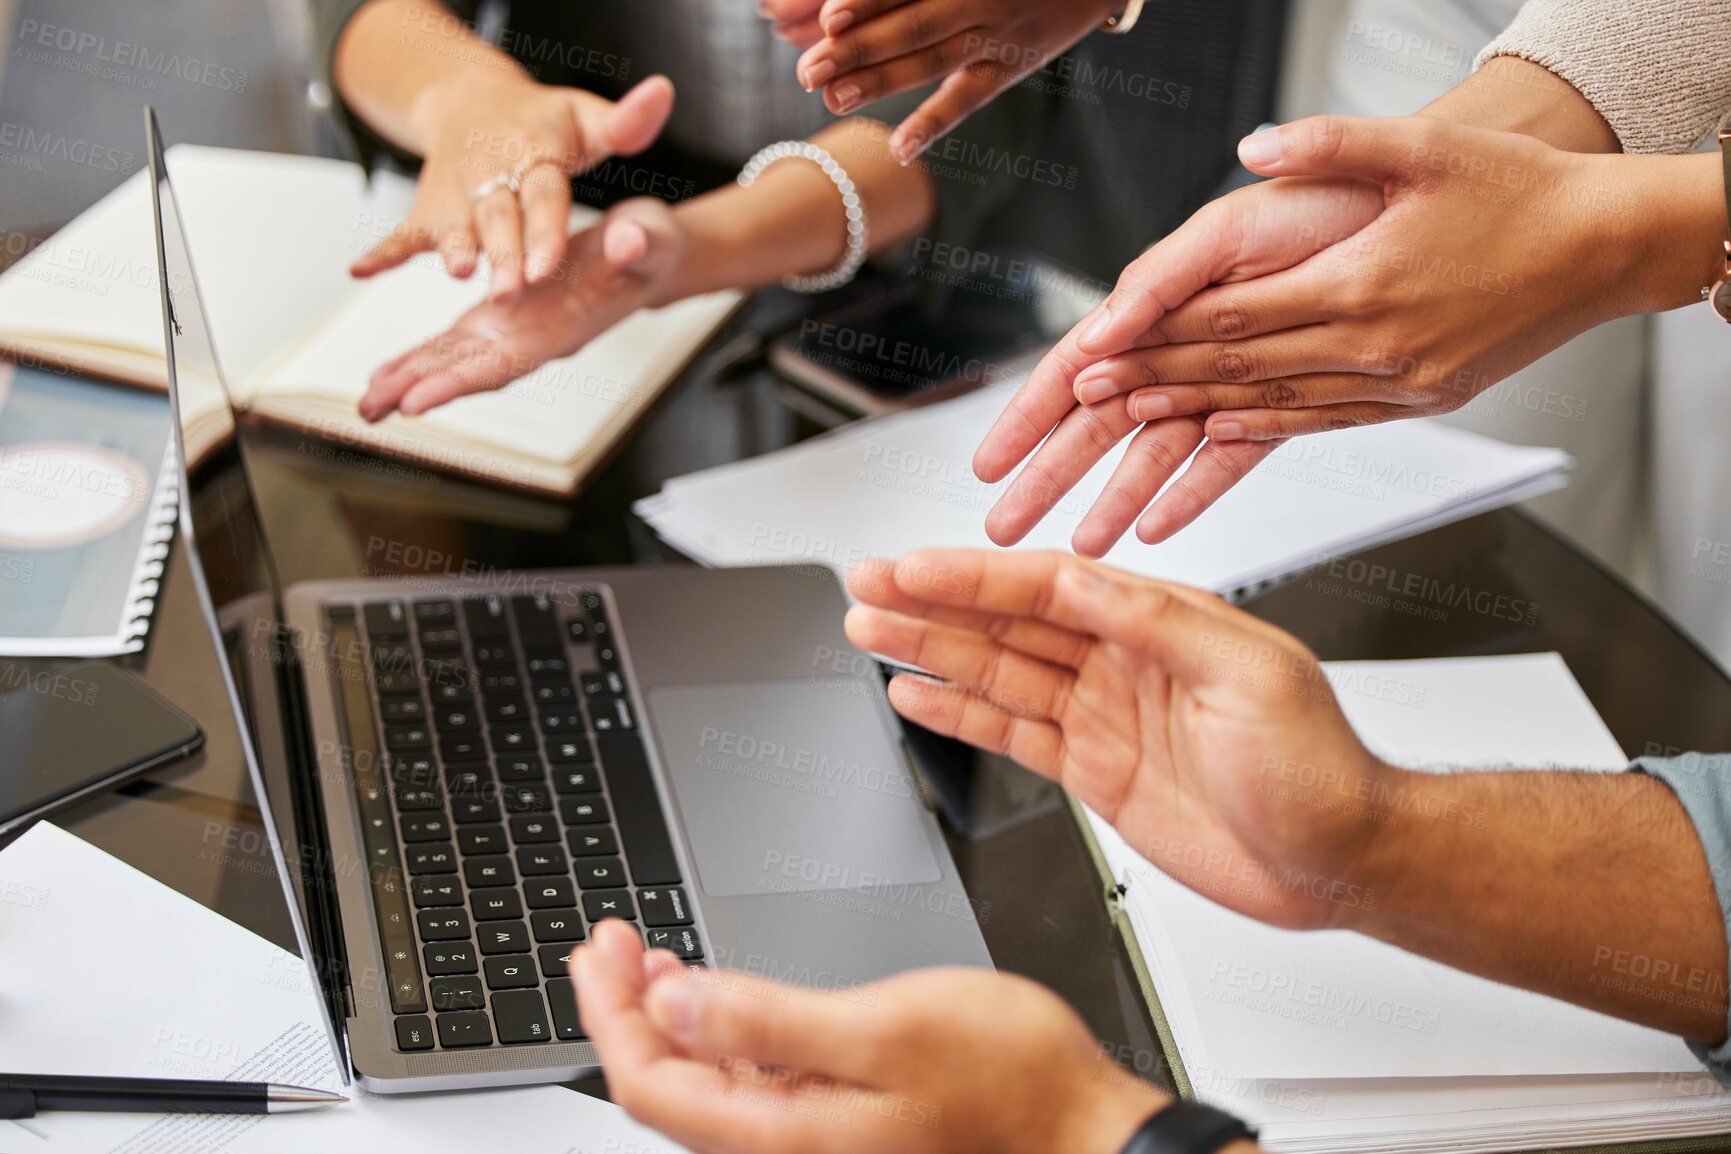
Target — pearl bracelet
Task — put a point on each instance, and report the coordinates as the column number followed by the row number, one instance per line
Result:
column 855, row 253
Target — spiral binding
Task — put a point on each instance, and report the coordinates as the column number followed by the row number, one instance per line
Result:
column 152, row 555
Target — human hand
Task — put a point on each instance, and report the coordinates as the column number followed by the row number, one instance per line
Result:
column 1491, row 249
column 1171, row 714
column 1253, row 233
column 948, row 1060
column 477, row 131
column 859, row 51
column 622, row 263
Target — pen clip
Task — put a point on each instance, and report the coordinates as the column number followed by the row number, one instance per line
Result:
column 16, row 1104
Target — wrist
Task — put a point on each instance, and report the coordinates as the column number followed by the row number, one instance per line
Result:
column 706, row 256
column 1103, row 1115
column 1677, row 213
column 460, row 95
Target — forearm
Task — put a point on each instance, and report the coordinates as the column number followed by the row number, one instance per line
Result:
column 398, row 63
column 1513, row 95
column 1589, row 887
column 790, row 222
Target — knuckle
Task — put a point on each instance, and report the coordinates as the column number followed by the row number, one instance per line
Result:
column 1234, row 363
column 1101, row 436
column 1228, row 322
column 1327, row 137
column 1283, row 395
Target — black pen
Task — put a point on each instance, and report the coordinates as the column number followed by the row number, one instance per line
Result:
column 22, row 1095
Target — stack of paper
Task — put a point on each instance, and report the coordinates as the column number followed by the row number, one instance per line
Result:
column 109, row 972
column 1331, row 1041
column 885, row 486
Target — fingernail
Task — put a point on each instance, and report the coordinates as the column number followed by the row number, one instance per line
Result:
column 1102, row 321
column 1091, row 388
column 1260, row 149
column 846, row 97
column 1226, row 431
column 675, row 1001
column 1150, row 408
column 838, row 23
column 818, row 74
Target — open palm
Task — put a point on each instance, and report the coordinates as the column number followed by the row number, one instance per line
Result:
column 1177, row 718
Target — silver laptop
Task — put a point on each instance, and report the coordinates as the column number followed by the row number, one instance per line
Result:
column 462, row 777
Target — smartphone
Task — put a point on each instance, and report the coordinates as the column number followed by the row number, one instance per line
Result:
column 72, row 732
column 935, row 332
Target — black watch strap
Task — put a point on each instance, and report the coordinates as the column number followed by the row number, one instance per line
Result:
column 1184, row 1127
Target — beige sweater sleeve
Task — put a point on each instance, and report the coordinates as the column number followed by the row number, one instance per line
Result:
column 1658, row 71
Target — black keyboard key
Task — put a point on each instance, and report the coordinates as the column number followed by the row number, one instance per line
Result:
column 592, row 841
column 462, row 745
column 520, row 769
column 470, row 810
column 513, row 738
column 485, row 617
column 425, row 827
column 536, row 623
column 414, row 769
column 603, row 683
column 600, row 873
column 419, row 798
column 410, row 736
column 606, row 654
column 512, row 973
column 498, row 683
column 400, row 707
column 527, row 798
column 505, row 707
column 521, row 1017
column 642, row 825
column 446, row 958
column 385, row 619
column 555, row 960
column 495, row 655
column 550, row 893
column 576, row 779
column 579, row 630
column 434, row 613
column 451, row 692
column 584, row 809
column 539, row 861
column 482, row 872
column 562, row 1000
column 449, row 994
column 398, row 941
column 403, row 680
column 556, row 926
column 553, row 692
column 455, row 719
column 562, row 721
column 664, row 906
column 436, row 892
column 591, row 602
column 437, row 857
column 443, row 925
column 504, row 938
column 682, row 940
column 534, row 829
column 445, row 641
column 466, row 1028
column 569, row 747
column 612, row 714
column 495, row 904
column 470, row 780
column 415, row 1033
column 475, row 840
column 598, row 904
column 393, row 656
column 546, row 664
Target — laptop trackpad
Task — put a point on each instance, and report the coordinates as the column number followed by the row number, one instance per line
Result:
column 789, row 786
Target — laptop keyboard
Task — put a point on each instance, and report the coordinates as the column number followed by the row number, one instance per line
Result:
column 507, row 805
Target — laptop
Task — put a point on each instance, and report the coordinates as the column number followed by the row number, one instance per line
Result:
column 461, row 777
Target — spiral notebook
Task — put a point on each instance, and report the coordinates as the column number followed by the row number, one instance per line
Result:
column 87, row 506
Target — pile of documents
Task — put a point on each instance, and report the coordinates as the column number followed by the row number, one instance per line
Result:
column 1331, row 1041
column 883, row 487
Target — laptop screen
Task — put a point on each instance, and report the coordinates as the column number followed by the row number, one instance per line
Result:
column 223, row 537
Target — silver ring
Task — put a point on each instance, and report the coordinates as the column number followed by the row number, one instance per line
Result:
column 512, row 180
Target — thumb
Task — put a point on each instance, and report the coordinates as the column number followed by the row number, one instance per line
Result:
column 633, row 123
column 1336, row 146
column 638, row 236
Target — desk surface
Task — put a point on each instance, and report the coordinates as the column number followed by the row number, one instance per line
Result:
column 1495, row 584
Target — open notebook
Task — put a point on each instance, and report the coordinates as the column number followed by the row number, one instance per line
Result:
column 1334, row 1042
column 272, row 237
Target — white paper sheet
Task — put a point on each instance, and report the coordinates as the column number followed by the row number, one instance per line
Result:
column 108, row 971
column 887, row 486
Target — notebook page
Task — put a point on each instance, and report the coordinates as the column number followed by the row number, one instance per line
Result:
column 1256, row 1002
